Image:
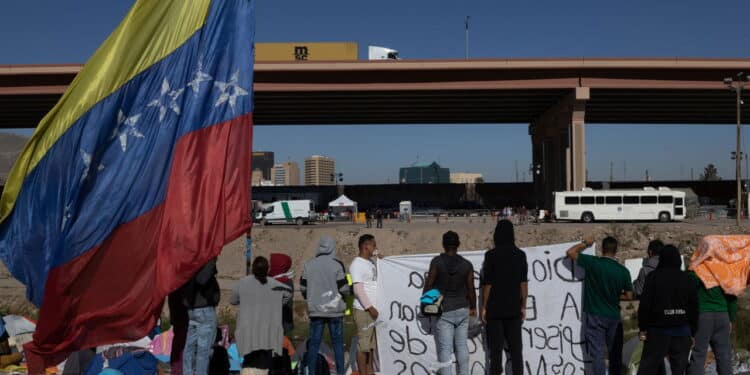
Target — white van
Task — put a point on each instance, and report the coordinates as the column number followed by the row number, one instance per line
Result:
column 287, row 212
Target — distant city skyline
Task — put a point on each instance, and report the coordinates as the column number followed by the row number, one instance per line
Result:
column 630, row 154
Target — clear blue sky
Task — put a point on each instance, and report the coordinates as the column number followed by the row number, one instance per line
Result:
column 47, row 31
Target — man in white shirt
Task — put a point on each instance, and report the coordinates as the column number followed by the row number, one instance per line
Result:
column 364, row 278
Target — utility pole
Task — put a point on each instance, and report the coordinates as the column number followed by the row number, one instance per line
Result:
column 738, row 163
column 692, row 177
column 516, row 171
column 624, row 170
column 611, row 171
column 466, row 24
column 737, row 86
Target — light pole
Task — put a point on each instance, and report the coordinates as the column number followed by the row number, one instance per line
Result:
column 737, row 86
column 466, row 24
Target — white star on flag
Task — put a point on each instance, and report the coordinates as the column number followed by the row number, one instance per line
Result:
column 87, row 165
column 230, row 91
column 126, row 127
column 200, row 76
column 172, row 103
column 66, row 216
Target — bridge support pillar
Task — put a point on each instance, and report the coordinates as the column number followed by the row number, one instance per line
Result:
column 558, row 139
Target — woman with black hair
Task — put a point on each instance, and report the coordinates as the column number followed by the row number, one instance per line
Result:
column 259, row 331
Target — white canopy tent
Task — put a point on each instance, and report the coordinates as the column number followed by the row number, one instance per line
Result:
column 343, row 207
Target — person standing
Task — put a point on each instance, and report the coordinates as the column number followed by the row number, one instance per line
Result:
column 504, row 294
column 649, row 264
column 368, row 218
column 453, row 276
column 200, row 295
column 717, row 311
column 364, row 279
column 379, row 217
column 281, row 271
column 178, row 317
column 667, row 315
column 259, row 330
column 324, row 287
column 607, row 283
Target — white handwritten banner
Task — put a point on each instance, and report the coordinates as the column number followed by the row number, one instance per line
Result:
column 552, row 340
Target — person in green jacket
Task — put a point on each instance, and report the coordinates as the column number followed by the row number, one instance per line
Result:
column 717, row 311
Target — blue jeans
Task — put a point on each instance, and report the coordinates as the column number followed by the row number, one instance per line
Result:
column 452, row 336
column 336, row 329
column 600, row 333
column 200, row 340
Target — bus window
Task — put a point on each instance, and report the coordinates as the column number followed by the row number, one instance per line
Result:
column 571, row 200
column 648, row 199
column 630, row 199
column 666, row 199
column 613, row 199
column 678, row 202
column 599, row 200
column 587, row 200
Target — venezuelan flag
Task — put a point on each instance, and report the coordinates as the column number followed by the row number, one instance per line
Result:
column 137, row 177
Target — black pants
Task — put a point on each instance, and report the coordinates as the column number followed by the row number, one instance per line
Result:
column 657, row 347
column 260, row 359
column 615, row 354
column 500, row 333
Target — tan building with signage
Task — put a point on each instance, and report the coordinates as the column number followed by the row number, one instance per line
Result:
column 466, row 178
column 256, row 178
column 286, row 174
column 304, row 51
column 319, row 170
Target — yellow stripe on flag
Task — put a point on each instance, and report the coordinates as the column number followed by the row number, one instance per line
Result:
column 152, row 30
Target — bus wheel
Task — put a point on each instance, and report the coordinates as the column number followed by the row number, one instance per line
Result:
column 664, row 217
column 587, row 217
column 299, row 221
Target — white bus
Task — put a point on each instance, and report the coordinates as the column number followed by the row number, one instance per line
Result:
column 620, row 205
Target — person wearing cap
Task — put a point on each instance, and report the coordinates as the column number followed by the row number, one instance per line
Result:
column 281, row 271
column 453, row 276
column 505, row 288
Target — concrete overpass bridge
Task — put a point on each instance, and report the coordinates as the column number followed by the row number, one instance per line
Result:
column 556, row 97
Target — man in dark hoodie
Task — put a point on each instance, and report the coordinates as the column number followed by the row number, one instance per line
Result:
column 504, row 293
column 324, row 287
column 649, row 265
column 201, row 296
column 667, row 315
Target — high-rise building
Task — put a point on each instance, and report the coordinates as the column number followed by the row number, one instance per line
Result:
column 256, row 177
column 263, row 160
column 466, row 178
column 424, row 173
column 286, row 174
column 320, row 170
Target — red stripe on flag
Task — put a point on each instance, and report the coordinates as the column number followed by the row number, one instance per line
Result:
column 115, row 292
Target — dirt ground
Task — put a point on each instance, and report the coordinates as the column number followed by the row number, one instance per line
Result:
column 423, row 236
